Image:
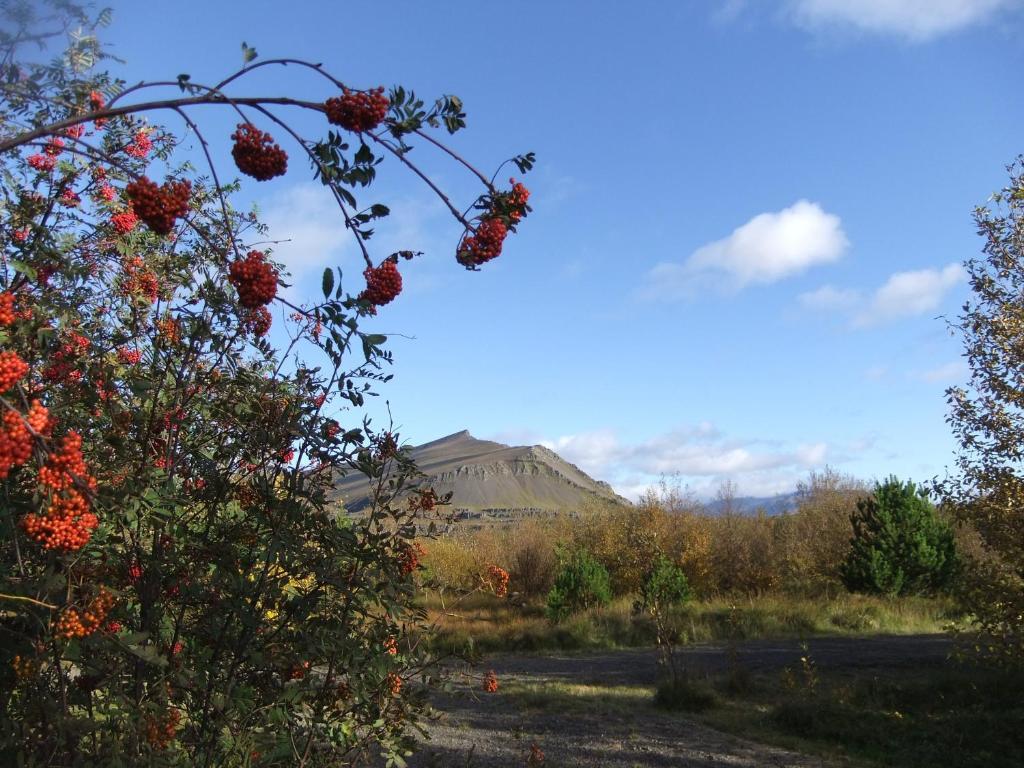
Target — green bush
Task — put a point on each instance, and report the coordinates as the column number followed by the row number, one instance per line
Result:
column 581, row 583
column 665, row 585
column 899, row 545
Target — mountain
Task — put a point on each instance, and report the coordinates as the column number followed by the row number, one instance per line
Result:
column 749, row 505
column 490, row 479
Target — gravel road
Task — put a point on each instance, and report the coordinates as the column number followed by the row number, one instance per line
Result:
column 492, row 730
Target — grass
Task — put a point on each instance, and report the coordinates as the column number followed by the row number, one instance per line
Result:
column 957, row 716
column 484, row 623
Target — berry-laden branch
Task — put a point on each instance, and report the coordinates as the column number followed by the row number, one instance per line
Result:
column 175, row 568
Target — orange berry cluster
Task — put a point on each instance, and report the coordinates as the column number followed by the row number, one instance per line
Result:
column 169, row 328
column 74, row 624
column 160, row 731
column 394, row 683
column 159, row 207
column 12, row 369
column 256, row 154
column 23, row 668
column 391, row 646
column 254, row 279
column 484, row 245
column 67, row 524
column 124, row 222
column 383, row 283
column 66, row 467
column 8, row 314
column 497, row 579
column 138, row 280
column 16, row 437
column 358, row 111
column 490, row 682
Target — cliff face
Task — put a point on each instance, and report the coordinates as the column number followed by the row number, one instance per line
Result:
column 494, row 479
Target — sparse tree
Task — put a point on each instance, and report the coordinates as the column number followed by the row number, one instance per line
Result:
column 987, row 418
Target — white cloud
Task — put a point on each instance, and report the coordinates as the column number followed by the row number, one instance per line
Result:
column 699, row 455
column 768, row 248
column 829, row 298
column 945, row 374
column 307, row 220
column 906, row 294
column 915, row 20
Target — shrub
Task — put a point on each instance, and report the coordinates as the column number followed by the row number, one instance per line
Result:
column 665, row 586
column 581, row 583
column 899, row 545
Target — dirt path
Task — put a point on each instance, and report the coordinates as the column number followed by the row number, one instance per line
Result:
column 602, row 729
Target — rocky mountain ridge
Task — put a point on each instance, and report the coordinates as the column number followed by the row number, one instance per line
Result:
column 489, row 479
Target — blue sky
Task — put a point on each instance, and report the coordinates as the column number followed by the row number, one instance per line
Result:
column 748, row 217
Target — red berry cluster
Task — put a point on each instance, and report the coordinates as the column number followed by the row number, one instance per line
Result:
column 490, row 684
column 7, row 313
column 257, row 321
column 254, row 279
column 409, row 557
column 160, row 731
column 516, row 200
column 16, row 436
column 74, row 624
column 159, row 207
column 70, row 199
column 62, row 364
column 484, row 245
column 391, row 646
column 141, row 146
column 358, row 111
column 536, row 756
column 497, row 579
column 124, row 222
column 12, row 369
column 43, row 163
column 256, row 154
column 383, row 283
column 129, row 356
column 138, row 280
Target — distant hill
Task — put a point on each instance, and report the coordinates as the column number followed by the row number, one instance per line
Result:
column 489, row 479
column 749, row 505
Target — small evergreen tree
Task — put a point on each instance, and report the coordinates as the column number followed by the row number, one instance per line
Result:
column 664, row 586
column 899, row 545
column 582, row 582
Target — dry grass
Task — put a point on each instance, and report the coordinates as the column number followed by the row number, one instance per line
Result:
column 484, row 623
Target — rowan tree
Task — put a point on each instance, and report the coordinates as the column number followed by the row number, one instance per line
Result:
column 175, row 587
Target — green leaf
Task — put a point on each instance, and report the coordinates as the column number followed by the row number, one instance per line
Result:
column 328, row 282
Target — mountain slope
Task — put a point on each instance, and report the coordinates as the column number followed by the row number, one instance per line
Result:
column 484, row 476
